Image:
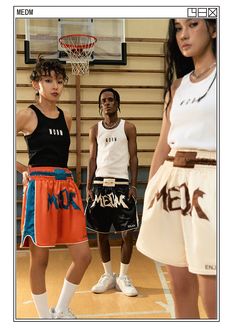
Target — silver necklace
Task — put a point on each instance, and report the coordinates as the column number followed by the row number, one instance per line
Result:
column 112, row 125
column 197, row 76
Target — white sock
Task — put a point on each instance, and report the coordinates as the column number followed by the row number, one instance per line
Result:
column 108, row 268
column 123, row 269
column 41, row 304
column 66, row 295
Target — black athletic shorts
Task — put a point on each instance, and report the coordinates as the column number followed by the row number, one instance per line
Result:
column 111, row 206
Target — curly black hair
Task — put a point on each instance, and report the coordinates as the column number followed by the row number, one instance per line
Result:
column 45, row 67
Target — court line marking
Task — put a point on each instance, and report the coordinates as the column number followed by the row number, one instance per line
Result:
column 52, row 249
column 166, row 289
column 169, row 307
column 82, row 291
column 164, row 305
column 28, row 302
column 120, row 314
column 90, row 292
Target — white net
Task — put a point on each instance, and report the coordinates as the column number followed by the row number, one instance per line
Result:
column 79, row 49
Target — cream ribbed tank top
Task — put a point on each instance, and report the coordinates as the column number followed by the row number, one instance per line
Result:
column 193, row 121
column 113, row 154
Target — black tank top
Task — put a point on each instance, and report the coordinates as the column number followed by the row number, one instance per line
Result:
column 48, row 145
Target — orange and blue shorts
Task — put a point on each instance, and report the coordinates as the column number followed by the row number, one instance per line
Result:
column 52, row 209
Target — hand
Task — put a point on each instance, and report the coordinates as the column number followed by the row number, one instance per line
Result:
column 25, row 178
column 89, row 194
column 132, row 192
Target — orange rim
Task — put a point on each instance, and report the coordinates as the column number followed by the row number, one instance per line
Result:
column 78, row 46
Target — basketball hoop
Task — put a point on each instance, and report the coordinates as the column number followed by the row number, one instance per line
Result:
column 79, row 49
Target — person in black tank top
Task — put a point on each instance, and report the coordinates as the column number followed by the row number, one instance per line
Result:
column 48, row 145
column 52, row 209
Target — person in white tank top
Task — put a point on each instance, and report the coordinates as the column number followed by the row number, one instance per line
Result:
column 111, row 195
column 179, row 215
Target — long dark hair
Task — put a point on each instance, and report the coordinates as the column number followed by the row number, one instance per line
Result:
column 177, row 63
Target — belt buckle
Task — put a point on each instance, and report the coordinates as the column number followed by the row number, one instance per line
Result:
column 60, row 174
column 184, row 159
column 109, row 182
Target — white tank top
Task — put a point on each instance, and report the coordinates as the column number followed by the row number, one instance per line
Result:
column 193, row 122
column 113, row 154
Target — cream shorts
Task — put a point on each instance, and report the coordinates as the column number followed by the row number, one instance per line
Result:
column 179, row 216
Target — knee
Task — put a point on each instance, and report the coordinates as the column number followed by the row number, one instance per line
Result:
column 86, row 258
column 39, row 262
column 183, row 282
column 179, row 287
column 127, row 236
column 183, row 289
column 102, row 238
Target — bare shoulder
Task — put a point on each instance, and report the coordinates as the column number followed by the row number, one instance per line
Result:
column 130, row 129
column 25, row 114
column 26, row 121
column 175, row 85
column 67, row 115
column 130, row 126
column 94, row 127
column 68, row 118
column 94, row 130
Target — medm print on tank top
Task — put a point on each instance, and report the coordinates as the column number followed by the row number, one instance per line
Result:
column 56, row 132
column 190, row 101
column 197, row 99
column 110, row 139
column 172, row 199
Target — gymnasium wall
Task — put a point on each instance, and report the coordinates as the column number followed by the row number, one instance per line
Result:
column 139, row 83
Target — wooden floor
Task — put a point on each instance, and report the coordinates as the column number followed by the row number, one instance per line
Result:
column 153, row 302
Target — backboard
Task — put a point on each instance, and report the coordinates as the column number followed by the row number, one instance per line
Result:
column 42, row 35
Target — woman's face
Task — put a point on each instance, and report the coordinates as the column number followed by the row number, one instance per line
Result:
column 50, row 86
column 193, row 36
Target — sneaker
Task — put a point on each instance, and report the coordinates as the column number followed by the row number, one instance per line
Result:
column 67, row 314
column 123, row 283
column 106, row 282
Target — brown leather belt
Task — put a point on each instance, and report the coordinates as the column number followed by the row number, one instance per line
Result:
column 189, row 160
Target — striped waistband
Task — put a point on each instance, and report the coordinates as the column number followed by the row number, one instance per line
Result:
column 57, row 173
column 110, row 182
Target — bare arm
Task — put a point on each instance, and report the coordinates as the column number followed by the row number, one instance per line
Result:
column 68, row 120
column 162, row 148
column 92, row 159
column 130, row 131
column 20, row 167
column 26, row 122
